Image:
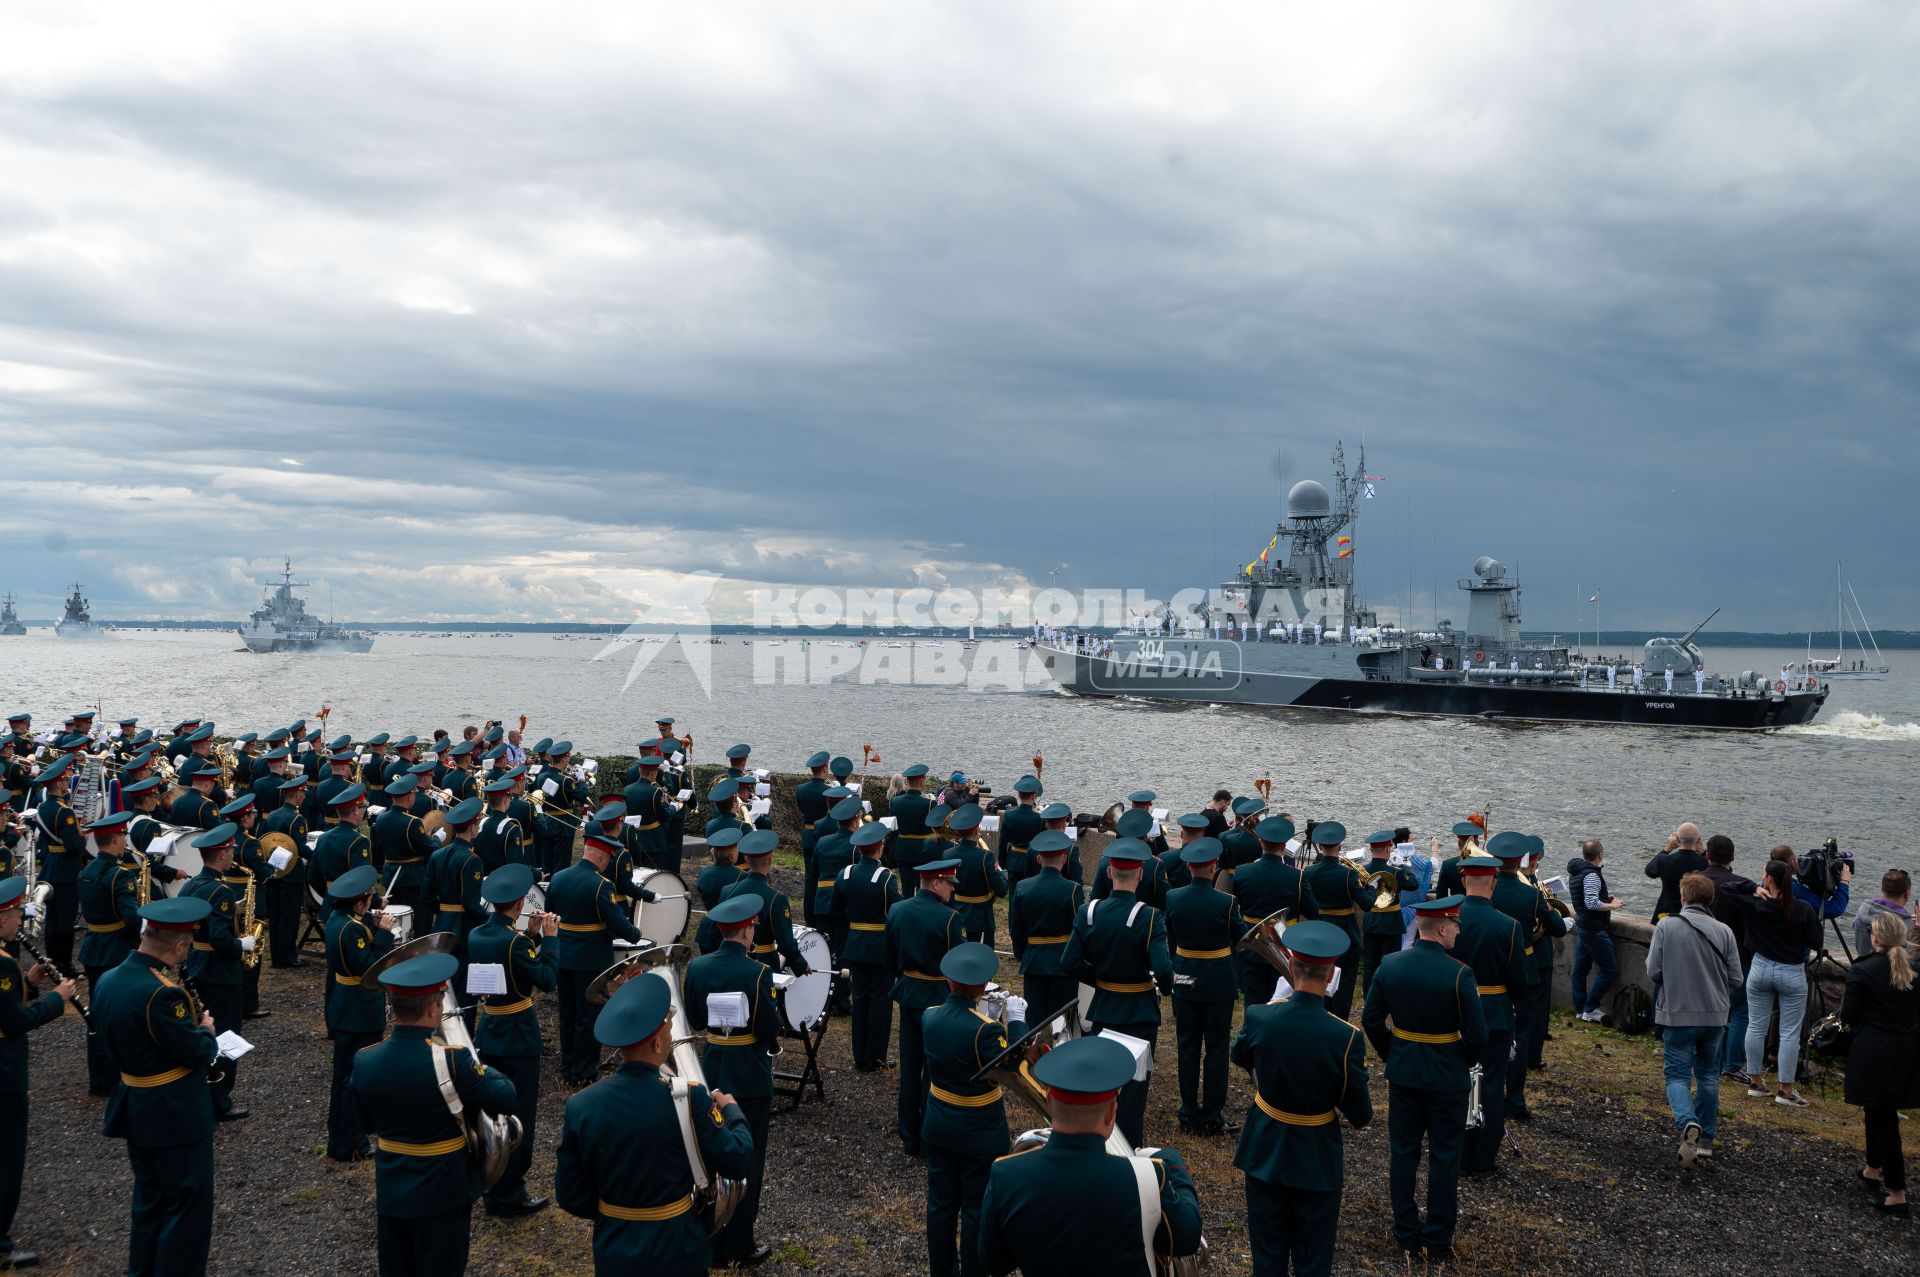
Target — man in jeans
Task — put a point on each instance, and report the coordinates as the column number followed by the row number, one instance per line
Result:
column 1733, row 1056
column 1593, row 907
column 1695, row 965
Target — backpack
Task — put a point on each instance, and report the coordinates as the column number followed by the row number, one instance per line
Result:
column 1632, row 1010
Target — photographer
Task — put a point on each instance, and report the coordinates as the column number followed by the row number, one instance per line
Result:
column 959, row 792
column 1896, row 890
column 1682, row 857
column 1781, row 929
column 1823, row 886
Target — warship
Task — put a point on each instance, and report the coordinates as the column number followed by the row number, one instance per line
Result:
column 9, row 619
column 283, row 624
column 78, row 620
column 1290, row 633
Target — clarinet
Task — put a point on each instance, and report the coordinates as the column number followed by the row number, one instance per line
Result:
column 199, row 1008
column 58, row 975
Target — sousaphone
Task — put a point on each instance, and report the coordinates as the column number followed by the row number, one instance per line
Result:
column 648, row 955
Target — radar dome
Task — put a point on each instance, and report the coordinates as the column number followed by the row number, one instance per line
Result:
column 1488, row 568
column 1308, row 500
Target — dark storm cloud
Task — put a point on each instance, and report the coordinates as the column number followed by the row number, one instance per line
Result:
column 463, row 308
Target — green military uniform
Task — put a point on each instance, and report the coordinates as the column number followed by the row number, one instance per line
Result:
column 1446, row 881
column 738, row 1060
column 810, row 797
column 508, row 1030
column 589, row 923
column 195, row 810
column 110, row 906
column 1382, row 928
column 1263, row 888
column 1540, row 967
column 1309, row 1067
column 1517, row 897
column 454, row 874
column 833, row 854
column 1423, row 1017
column 714, row 880
column 285, row 894
column 773, row 933
column 63, row 854
column 863, row 896
column 621, row 1162
column 980, row 881
column 401, row 848
column 654, row 807
column 1119, row 946
column 356, row 1013
column 1071, row 1206
column 500, row 840
column 568, row 796
column 1040, row 922
column 1343, row 895
column 341, row 849
column 162, row 1107
column 214, row 966
column 1203, row 924
column 1018, row 827
column 919, row 931
column 20, row 1014
column 1136, row 824
column 1490, row 944
column 964, row 1128
column 424, row 1182
column 911, row 844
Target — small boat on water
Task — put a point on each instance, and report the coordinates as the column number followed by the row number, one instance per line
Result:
column 1840, row 666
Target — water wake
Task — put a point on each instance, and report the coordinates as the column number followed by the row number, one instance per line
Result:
column 1857, row 726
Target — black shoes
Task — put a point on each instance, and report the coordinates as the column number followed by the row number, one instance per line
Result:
column 256, row 1015
column 234, row 1114
column 760, row 1254
column 19, row 1259
column 513, row 1210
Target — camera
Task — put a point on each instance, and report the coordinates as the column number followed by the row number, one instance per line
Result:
column 1820, row 868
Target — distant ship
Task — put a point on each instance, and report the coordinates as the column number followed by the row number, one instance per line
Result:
column 284, row 625
column 78, row 621
column 10, row 619
column 1290, row 633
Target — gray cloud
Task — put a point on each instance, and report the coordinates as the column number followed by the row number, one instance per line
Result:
column 847, row 296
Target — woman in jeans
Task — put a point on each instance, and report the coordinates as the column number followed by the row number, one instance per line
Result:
column 1780, row 930
column 1883, row 1068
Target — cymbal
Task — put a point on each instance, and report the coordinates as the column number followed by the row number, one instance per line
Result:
column 418, row 947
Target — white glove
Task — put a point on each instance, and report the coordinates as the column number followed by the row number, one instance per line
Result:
column 1017, row 1009
column 246, row 944
column 1333, row 985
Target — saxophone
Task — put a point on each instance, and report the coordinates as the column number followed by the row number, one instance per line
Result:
column 248, row 925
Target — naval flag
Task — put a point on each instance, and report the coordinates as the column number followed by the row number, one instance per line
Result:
column 1368, row 492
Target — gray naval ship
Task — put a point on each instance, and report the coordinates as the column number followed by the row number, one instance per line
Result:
column 1291, row 633
column 10, row 624
column 77, row 621
column 283, row 624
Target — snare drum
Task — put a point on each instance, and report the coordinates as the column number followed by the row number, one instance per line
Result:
column 536, row 900
column 402, row 916
column 805, row 1002
column 665, row 920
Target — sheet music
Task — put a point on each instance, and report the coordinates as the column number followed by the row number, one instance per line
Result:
column 486, row 977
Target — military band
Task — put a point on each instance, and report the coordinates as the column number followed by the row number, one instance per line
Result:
column 908, row 908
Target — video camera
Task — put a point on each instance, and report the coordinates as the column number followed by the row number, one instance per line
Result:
column 1820, row 868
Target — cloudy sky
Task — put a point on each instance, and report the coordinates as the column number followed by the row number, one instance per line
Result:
column 475, row 309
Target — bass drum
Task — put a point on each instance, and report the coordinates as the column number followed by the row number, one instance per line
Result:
column 665, row 920
column 536, row 899
column 804, row 1004
column 181, row 856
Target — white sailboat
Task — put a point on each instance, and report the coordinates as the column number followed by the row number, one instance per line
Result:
column 1841, row 666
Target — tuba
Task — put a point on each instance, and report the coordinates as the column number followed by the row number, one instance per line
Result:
column 1012, row 1071
column 491, row 1140
column 715, row 1196
column 1263, row 941
column 1110, row 818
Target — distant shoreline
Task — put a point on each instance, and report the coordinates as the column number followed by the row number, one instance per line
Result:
column 1823, row 642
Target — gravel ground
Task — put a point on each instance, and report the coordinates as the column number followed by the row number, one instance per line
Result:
column 1594, row 1188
